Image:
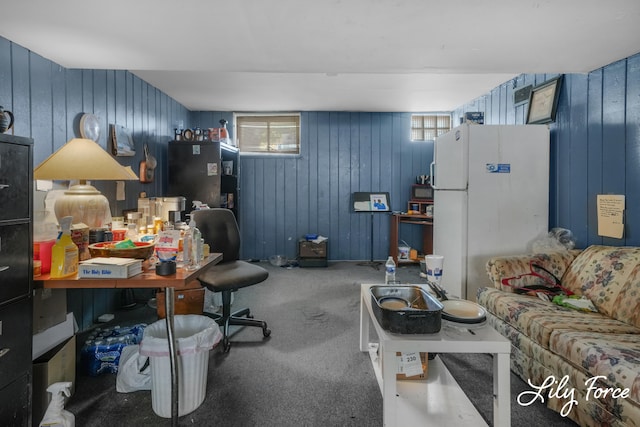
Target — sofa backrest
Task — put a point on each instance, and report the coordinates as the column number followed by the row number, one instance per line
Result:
column 501, row 267
column 610, row 277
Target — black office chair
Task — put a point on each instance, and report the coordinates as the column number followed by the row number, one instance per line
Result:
column 220, row 231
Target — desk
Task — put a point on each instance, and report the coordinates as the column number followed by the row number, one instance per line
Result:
column 147, row 279
column 427, row 232
column 439, row 400
column 182, row 279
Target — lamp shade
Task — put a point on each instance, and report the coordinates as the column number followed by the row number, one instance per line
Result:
column 82, row 159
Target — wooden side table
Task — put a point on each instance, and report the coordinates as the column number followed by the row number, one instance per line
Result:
column 424, row 221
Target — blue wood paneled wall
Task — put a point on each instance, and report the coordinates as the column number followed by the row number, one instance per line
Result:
column 282, row 198
column 595, row 144
column 47, row 101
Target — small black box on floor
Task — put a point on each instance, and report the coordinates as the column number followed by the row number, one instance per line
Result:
column 312, row 262
column 311, row 254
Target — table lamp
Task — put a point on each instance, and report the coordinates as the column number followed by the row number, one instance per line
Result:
column 83, row 159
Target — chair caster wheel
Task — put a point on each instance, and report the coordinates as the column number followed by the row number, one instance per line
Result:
column 226, row 345
column 266, row 332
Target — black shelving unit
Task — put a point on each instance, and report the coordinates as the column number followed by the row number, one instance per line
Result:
column 196, row 171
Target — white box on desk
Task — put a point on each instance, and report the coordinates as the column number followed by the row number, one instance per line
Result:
column 110, row 268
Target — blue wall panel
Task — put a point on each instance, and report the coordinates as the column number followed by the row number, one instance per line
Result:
column 613, row 138
column 594, row 150
column 283, row 198
column 632, row 155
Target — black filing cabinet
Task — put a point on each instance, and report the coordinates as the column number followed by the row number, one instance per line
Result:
column 16, row 272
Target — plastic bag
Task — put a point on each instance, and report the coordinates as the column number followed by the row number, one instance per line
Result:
column 134, row 372
column 576, row 302
column 194, row 333
column 556, row 240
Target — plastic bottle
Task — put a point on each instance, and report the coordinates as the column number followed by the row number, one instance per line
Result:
column 195, row 246
column 64, row 253
column 187, row 241
column 224, row 134
column 132, row 232
column 390, row 271
column 56, row 415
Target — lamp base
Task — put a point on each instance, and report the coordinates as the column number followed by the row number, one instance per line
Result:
column 85, row 204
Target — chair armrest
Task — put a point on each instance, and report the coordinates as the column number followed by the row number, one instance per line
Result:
column 501, row 267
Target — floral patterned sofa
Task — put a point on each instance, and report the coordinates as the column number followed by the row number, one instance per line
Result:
column 584, row 353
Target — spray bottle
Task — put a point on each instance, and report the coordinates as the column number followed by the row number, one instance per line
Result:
column 56, row 415
column 64, row 253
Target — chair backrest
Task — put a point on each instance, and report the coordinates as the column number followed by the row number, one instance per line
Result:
column 220, row 231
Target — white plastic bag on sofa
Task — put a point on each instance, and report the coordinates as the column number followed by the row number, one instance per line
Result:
column 556, row 240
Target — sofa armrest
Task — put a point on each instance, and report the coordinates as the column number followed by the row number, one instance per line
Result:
column 501, row 267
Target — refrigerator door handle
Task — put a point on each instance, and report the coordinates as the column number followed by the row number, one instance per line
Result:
column 433, row 177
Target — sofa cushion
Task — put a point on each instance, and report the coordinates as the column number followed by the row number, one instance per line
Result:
column 533, row 363
column 614, row 356
column 610, row 277
column 538, row 319
column 502, row 267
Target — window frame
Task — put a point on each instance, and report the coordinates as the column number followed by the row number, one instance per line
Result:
column 237, row 116
column 437, row 130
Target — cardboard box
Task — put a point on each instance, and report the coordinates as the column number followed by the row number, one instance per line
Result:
column 425, row 363
column 189, row 301
column 49, row 308
column 56, row 365
column 309, row 249
column 51, row 337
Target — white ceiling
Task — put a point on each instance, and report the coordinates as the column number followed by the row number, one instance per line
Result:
column 331, row 55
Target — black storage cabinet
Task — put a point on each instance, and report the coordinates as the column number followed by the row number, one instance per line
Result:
column 16, row 272
column 195, row 171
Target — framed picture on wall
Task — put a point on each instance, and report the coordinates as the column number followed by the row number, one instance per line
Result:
column 122, row 142
column 543, row 102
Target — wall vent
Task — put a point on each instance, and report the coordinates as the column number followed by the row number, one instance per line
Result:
column 521, row 95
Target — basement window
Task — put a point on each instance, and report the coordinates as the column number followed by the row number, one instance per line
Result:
column 268, row 133
column 426, row 127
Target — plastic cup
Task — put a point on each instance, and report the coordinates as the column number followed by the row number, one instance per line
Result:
column 434, row 265
column 42, row 252
column 119, row 234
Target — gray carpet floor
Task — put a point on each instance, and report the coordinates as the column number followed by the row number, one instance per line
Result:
column 309, row 372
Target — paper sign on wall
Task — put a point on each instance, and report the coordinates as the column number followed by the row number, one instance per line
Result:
column 610, row 215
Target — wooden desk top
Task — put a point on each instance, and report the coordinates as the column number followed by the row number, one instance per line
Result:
column 417, row 218
column 183, row 279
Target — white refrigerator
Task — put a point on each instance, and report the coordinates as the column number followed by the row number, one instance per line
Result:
column 491, row 197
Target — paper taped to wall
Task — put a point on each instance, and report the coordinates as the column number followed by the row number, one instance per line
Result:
column 610, row 215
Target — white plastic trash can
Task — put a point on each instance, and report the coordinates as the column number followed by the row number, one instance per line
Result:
column 195, row 336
